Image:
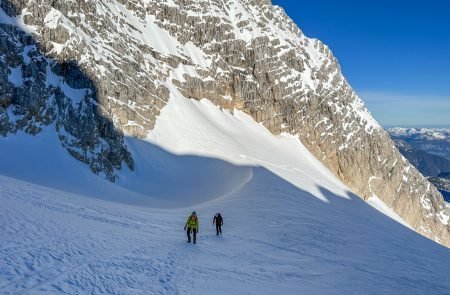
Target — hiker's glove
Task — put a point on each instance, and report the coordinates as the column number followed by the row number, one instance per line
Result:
column 184, row 228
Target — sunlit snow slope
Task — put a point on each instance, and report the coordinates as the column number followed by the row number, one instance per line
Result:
column 290, row 227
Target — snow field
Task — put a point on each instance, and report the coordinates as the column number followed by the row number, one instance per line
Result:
column 290, row 227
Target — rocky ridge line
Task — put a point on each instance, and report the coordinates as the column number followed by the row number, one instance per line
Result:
column 246, row 55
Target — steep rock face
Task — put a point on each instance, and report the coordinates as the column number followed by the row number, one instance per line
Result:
column 239, row 54
column 36, row 91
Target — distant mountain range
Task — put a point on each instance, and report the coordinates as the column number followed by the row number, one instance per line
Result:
column 432, row 140
column 443, row 185
column 428, row 150
column 427, row 163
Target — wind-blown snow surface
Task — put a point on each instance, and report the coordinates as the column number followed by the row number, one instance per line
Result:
column 290, row 227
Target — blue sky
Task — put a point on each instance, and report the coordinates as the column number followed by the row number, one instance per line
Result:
column 395, row 54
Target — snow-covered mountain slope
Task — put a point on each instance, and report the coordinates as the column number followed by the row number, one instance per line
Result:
column 204, row 154
column 92, row 71
column 290, row 226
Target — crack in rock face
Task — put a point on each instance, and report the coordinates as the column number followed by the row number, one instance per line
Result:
column 98, row 69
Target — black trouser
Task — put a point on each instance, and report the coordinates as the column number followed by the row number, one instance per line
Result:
column 218, row 228
column 189, row 234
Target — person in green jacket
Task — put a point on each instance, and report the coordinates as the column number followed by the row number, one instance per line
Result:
column 192, row 225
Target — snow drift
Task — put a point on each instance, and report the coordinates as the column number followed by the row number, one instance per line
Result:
column 290, row 226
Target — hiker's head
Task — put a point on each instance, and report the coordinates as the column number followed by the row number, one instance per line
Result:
column 193, row 213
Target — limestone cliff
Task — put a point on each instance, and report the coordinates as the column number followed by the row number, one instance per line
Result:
column 111, row 66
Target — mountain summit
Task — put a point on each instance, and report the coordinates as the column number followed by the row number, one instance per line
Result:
column 95, row 72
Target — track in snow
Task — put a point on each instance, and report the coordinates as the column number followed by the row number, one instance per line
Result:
column 277, row 238
column 290, row 227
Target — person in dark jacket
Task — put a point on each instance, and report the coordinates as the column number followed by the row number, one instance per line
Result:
column 192, row 226
column 218, row 220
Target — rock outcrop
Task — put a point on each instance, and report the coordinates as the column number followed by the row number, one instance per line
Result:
column 37, row 91
column 239, row 54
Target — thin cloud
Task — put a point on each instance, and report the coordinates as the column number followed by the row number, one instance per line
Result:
column 408, row 110
column 381, row 97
